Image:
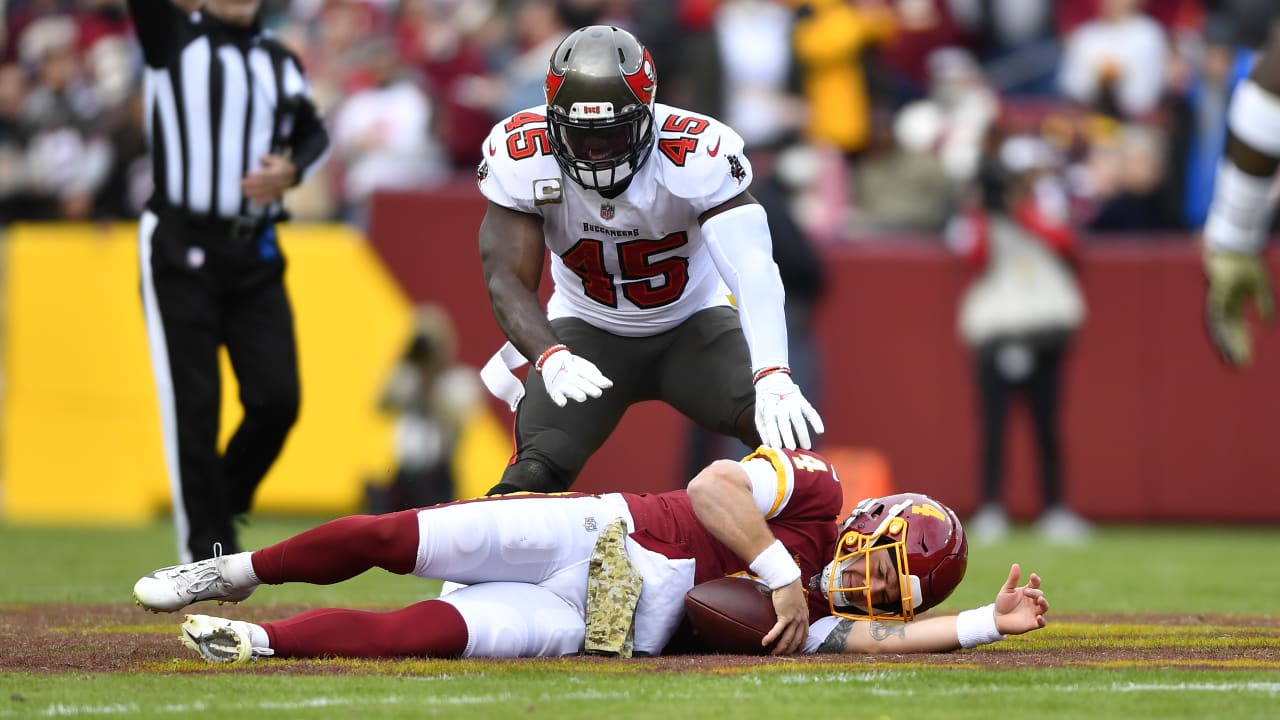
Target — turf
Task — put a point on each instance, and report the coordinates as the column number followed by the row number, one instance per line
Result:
column 1147, row 623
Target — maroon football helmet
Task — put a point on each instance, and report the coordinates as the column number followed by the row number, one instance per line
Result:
column 925, row 541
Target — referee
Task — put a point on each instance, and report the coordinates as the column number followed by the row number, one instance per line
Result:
column 231, row 126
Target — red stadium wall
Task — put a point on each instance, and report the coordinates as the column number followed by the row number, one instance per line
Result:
column 1155, row 428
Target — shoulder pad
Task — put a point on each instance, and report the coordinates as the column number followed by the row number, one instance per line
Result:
column 517, row 169
column 699, row 156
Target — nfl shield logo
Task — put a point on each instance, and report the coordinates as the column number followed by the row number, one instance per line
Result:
column 606, row 211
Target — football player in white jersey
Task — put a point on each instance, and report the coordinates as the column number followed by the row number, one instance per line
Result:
column 1235, row 232
column 645, row 210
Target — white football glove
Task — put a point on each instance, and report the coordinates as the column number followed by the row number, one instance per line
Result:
column 566, row 375
column 782, row 413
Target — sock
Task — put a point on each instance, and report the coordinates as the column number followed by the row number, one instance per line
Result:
column 258, row 637
column 341, row 549
column 238, row 570
column 431, row 628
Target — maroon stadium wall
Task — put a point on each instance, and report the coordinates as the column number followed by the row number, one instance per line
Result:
column 1154, row 427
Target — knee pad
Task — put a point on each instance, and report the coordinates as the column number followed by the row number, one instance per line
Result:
column 531, row 475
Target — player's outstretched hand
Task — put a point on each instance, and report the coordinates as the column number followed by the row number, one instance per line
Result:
column 1020, row 609
column 1235, row 279
column 567, row 376
column 793, row 620
column 783, row 416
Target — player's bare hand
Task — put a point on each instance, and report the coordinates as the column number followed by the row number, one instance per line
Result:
column 268, row 183
column 793, row 620
column 783, row 415
column 1020, row 609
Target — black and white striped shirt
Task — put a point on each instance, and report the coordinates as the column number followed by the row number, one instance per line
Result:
column 219, row 97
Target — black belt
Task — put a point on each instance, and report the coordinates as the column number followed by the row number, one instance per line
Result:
column 244, row 229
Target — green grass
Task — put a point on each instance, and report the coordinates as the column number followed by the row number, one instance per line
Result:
column 99, row 565
column 1184, row 571
column 871, row 694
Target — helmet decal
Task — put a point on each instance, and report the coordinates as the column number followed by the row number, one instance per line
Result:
column 552, row 86
column 644, row 81
column 600, row 87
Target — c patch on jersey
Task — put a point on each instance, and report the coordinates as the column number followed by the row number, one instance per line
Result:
column 547, row 191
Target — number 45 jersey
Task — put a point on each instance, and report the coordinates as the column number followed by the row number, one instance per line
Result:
column 633, row 265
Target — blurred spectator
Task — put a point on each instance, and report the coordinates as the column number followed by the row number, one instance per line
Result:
column 1116, row 63
column 68, row 153
column 1018, row 317
column 968, row 107
column 129, row 183
column 835, row 68
column 437, row 38
column 924, row 26
column 830, row 38
column 1129, row 183
column 1247, row 21
column 900, row 184
column 382, row 134
column 1016, row 42
column 1206, row 72
column 431, row 396
column 13, row 142
column 537, row 28
column 756, row 69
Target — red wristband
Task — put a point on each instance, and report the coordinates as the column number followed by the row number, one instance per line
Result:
column 769, row 371
column 537, row 367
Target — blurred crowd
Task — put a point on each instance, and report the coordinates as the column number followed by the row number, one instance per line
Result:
column 877, row 115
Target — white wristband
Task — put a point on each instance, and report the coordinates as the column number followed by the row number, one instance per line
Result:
column 775, row 567
column 977, row 627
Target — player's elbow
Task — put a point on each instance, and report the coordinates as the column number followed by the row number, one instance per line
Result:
column 717, row 480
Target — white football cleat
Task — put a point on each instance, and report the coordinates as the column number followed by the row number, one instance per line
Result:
column 177, row 586
column 221, row 640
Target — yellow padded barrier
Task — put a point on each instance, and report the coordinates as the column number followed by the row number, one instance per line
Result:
column 81, row 437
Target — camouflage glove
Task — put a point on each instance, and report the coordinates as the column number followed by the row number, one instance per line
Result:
column 1235, row 278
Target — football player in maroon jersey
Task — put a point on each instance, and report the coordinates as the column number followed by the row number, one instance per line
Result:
column 527, row 561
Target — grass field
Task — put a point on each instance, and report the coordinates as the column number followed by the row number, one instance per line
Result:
column 1146, row 623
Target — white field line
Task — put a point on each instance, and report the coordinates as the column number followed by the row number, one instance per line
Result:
column 129, row 709
column 868, row 678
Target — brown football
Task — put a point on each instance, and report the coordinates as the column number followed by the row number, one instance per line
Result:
column 731, row 615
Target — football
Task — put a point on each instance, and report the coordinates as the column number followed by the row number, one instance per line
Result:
column 731, row 615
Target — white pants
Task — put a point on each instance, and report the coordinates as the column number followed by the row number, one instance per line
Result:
column 524, row 561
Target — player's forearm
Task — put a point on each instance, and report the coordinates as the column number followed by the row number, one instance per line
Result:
column 511, row 253
column 721, row 498
column 519, row 314
column 870, row 637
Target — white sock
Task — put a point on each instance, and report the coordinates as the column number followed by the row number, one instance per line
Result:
column 238, row 570
column 258, row 636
